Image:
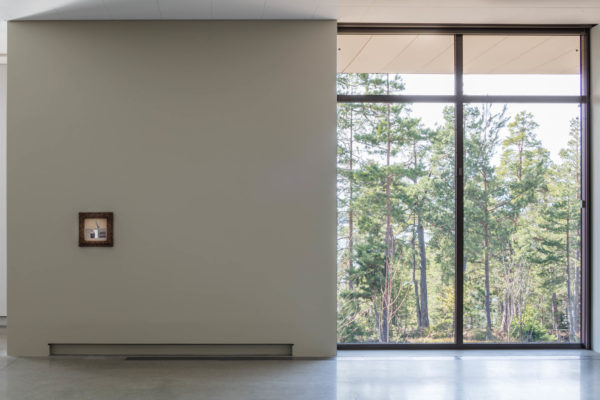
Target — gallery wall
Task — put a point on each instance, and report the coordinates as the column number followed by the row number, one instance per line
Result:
column 214, row 145
column 595, row 149
column 2, row 190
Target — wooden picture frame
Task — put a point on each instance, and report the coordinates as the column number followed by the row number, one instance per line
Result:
column 95, row 229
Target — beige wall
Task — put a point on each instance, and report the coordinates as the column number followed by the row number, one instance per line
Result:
column 214, row 145
column 2, row 190
column 595, row 149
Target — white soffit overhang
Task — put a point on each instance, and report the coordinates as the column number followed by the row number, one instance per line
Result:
column 433, row 54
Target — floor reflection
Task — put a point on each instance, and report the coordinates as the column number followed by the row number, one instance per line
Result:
column 353, row 375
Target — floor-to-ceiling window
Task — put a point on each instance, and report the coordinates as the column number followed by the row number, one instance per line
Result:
column 461, row 187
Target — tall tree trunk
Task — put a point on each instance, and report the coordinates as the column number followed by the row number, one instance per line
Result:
column 509, row 309
column 488, row 318
column 555, row 321
column 506, row 313
column 376, row 312
column 423, row 275
column 502, row 312
column 385, row 317
column 350, row 205
column 555, row 316
column 414, row 276
column 577, row 281
column 486, row 242
column 570, row 311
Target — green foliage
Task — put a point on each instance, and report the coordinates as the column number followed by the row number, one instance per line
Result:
column 527, row 328
column 396, row 224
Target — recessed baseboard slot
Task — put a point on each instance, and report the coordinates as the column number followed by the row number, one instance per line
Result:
column 172, row 350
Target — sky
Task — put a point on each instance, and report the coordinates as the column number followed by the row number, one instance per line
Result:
column 553, row 119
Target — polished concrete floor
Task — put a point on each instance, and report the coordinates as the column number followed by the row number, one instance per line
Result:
column 353, row 375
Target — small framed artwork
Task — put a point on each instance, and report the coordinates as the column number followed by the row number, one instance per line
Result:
column 95, row 229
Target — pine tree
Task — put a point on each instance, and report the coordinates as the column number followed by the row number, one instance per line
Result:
column 562, row 223
column 396, row 227
column 522, row 174
column 482, row 137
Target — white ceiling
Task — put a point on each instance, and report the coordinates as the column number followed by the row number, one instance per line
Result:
column 434, row 54
column 398, row 11
column 366, row 11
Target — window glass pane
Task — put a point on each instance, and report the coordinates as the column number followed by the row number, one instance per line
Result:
column 395, row 223
column 420, row 64
column 521, row 65
column 522, row 238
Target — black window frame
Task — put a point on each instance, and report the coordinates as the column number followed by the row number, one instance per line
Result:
column 459, row 99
